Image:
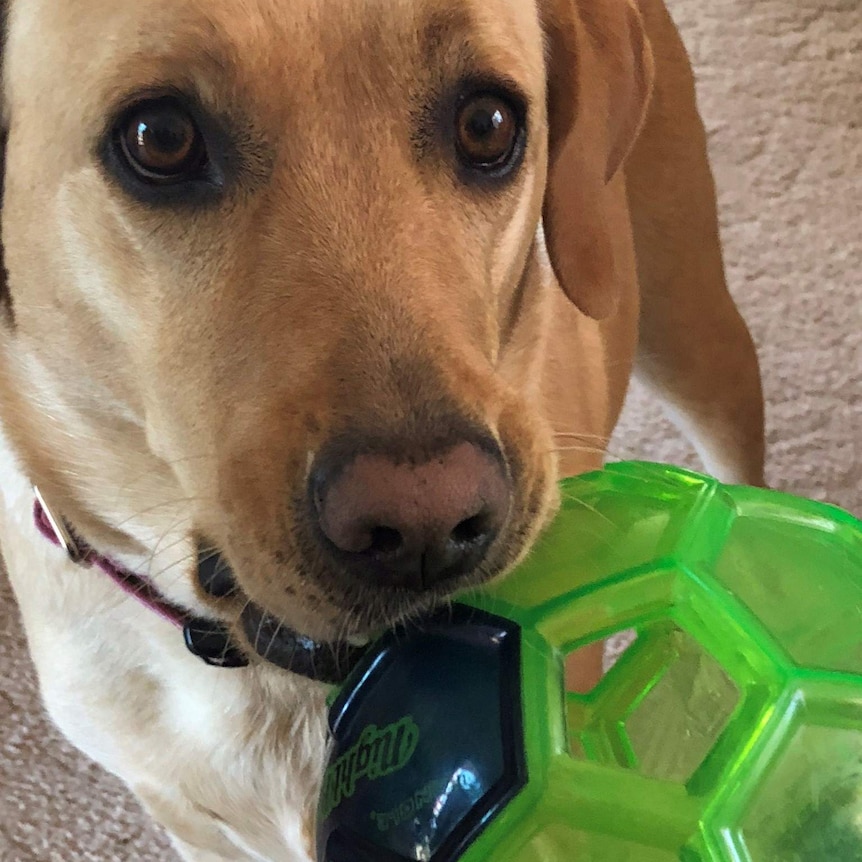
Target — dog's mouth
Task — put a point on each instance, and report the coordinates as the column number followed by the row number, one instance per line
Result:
column 278, row 644
column 262, row 631
column 268, row 636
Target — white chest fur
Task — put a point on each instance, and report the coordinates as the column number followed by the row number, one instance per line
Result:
column 228, row 760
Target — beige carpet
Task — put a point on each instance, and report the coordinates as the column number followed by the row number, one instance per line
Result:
column 781, row 89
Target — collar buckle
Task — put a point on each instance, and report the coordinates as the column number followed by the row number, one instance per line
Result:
column 63, row 536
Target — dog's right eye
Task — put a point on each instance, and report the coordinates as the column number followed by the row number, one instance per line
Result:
column 490, row 133
column 160, row 141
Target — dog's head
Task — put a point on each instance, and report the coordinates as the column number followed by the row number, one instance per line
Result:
column 276, row 279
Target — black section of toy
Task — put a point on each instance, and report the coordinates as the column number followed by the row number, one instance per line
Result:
column 427, row 742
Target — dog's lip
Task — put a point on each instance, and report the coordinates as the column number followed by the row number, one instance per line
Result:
column 271, row 639
column 280, row 645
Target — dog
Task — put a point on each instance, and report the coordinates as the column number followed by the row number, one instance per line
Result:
column 307, row 307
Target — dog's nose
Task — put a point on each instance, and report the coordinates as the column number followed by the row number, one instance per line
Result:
column 412, row 524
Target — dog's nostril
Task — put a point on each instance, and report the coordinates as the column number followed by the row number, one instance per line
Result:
column 385, row 540
column 411, row 524
column 471, row 530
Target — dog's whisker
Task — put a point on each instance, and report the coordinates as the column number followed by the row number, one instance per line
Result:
column 128, row 486
column 606, row 455
column 580, row 436
column 571, row 498
column 138, row 514
column 591, row 450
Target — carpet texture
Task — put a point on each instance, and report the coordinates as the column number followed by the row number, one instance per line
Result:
column 780, row 83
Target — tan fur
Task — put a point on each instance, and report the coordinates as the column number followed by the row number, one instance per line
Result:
column 171, row 372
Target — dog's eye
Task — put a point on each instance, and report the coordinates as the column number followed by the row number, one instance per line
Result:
column 488, row 130
column 161, row 142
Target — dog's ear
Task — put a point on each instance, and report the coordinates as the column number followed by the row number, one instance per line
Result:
column 599, row 80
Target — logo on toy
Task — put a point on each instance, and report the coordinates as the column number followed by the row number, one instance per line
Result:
column 377, row 753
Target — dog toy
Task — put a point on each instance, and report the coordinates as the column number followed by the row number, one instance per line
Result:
column 730, row 730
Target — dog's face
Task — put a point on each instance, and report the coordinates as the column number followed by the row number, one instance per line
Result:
column 275, row 280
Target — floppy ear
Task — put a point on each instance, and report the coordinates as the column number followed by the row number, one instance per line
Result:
column 599, row 79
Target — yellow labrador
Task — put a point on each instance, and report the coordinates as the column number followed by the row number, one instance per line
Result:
column 309, row 304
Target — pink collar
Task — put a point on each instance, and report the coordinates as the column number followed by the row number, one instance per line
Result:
column 207, row 639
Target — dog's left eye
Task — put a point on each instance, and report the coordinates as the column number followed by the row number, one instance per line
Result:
column 489, row 133
column 160, row 141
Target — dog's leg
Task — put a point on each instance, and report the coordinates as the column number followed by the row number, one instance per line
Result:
column 695, row 350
